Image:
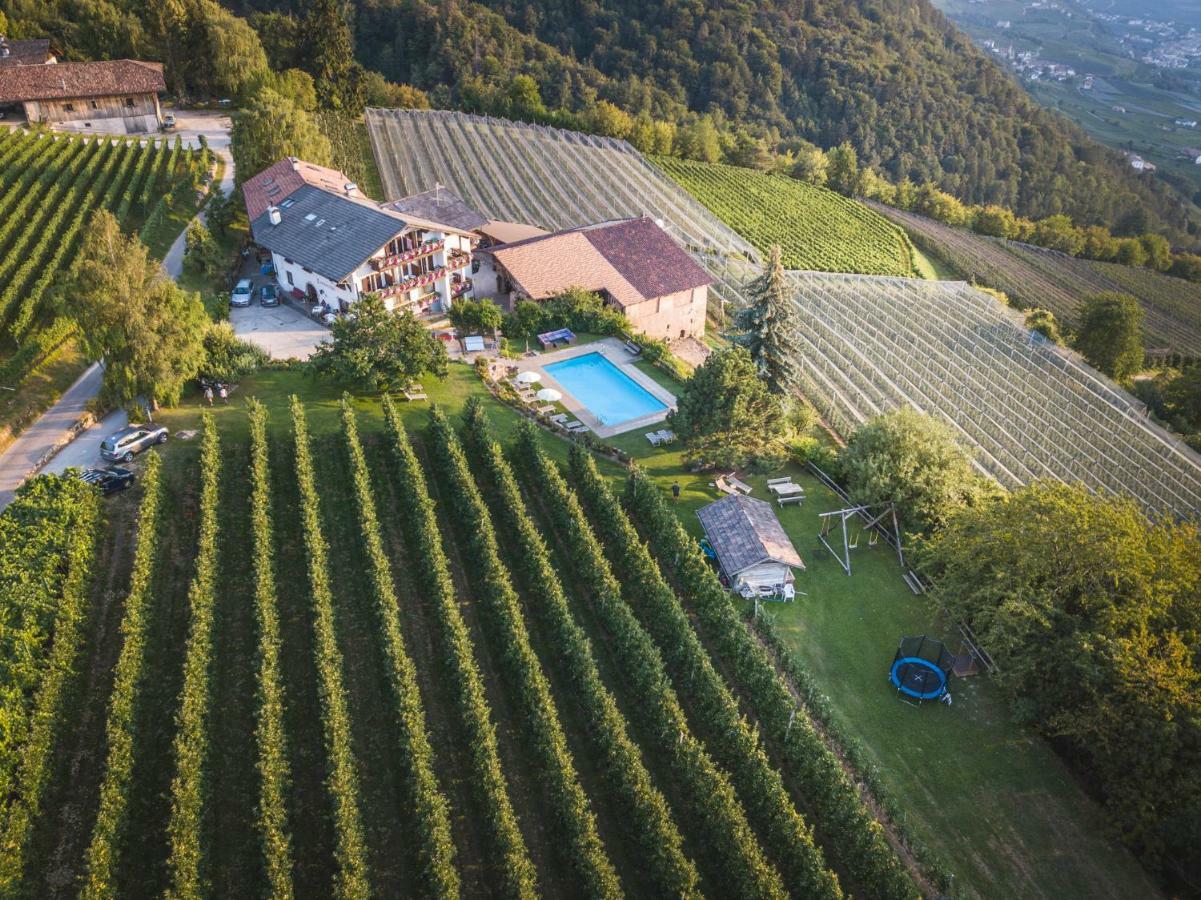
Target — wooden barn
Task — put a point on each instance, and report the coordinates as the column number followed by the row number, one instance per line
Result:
column 118, row 96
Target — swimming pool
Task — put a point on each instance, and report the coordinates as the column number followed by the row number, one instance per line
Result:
column 609, row 393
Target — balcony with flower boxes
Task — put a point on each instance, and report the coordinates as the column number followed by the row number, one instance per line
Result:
column 458, row 259
column 403, row 287
column 399, row 259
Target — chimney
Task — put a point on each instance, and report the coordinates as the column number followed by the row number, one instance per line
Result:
column 4, row 51
column 273, row 215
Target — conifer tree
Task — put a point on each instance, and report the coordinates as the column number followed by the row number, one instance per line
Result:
column 767, row 326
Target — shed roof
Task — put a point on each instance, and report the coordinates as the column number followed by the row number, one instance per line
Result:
column 509, row 232
column 329, row 233
column 745, row 532
column 67, row 81
column 25, row 53
column 633, row 260
column 439, row 205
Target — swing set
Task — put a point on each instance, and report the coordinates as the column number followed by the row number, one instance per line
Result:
column 874, row 519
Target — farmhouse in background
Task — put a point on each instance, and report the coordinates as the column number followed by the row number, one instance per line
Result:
column 118, row 96
column 632, row 263
column 752, row 547
column 331, row 244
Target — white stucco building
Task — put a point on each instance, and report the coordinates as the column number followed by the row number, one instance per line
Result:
column 330, row 244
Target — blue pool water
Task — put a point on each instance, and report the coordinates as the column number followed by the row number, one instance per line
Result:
column 609, row 393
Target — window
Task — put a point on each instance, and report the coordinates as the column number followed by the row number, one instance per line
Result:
column 290, row 281
column 69, row 107
column 129, row 102
column 95, row 105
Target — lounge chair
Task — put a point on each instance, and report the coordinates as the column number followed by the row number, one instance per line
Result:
column 633, row 348
column 577, row 426
column 722, row 485
column 415, row 395
column 560, row 418
column 545, row 410
column 654, row 437
column 741, row 486
column 666, row 436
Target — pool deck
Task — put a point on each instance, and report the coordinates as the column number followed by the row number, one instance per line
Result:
column 614, row 351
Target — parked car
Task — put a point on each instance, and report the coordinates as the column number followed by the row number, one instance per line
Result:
column 169, row 122
column 243, row 291
column 131, row 440
column 269, row 295
column 109, row 480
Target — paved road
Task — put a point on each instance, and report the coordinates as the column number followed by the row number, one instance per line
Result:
column 54, row 426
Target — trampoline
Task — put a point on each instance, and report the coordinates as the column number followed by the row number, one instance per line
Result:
column 921, row 668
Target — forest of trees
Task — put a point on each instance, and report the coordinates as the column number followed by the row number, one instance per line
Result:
column 909, row 92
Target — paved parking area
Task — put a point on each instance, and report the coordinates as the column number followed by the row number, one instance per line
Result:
column 280, row 330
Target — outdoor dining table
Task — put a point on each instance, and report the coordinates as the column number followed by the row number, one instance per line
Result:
column 788, row 489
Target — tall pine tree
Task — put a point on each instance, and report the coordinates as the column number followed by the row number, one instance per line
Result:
column 340, row 79
column 767, row 325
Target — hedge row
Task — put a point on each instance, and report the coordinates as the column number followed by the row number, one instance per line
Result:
column 851, row 836
column 190, row 787
column 93, row 165
column 437, row 849
column 787, row 838
column 271, row 740
column 53, row 234
column 103, row 854
column 58, row 682
column 36, row 348
column 725, row 836
column 351, row 880
column 36, row 158
column 133, row 188
column 518, row 878
column 502, row 611
column 36, row 193
column 38, row 535
column 645, row 809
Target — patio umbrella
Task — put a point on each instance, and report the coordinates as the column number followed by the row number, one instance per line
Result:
column 528, row 377
column 549, row 395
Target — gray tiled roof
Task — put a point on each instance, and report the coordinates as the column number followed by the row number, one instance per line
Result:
column 331, row 234
column 440, row 205
column 744, row 532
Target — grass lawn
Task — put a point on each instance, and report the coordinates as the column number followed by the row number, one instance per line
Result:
column 39, row 390
column 992, row 800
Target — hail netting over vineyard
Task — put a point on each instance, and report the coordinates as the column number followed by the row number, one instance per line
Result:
column 868, row 344
column 551, row 178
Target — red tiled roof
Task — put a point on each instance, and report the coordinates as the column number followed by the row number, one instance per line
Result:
column 633, row 260
column 276, row 182
column 66, row 81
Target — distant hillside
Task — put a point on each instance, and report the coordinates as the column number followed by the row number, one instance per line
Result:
column 1031, row 276
column 893, row 76
column 817, row 229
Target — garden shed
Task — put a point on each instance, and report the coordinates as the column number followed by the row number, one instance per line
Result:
column 751, row 546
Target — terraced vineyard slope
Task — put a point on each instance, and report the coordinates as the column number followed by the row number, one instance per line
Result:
column 1029, row 408
column 475, row 694
column 49, row 186
column 1033, row 276
column 817, row 229
column 551, row 178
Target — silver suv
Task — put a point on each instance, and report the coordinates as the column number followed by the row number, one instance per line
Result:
column 133, row 439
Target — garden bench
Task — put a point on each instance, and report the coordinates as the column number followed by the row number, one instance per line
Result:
column 791, row 498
